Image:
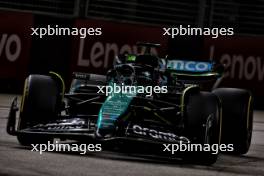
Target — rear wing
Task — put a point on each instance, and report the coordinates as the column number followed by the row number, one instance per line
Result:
column 189, row 66
column 192, row 68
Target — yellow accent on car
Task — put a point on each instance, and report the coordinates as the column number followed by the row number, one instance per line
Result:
column 157, row 115
column 62, row 81
column 183, row 95
column 197, row 74
column 248, row 110
column 221, row 121
column 25, row 93
column 166, row 121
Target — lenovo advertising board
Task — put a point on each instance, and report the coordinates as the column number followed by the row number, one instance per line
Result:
column 244, row 60
column 15, row 44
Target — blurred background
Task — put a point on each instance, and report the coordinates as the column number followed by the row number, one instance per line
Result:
column 124, row 23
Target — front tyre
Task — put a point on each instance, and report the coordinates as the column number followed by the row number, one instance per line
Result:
column 40, row 102
column 237, row 118
column 203, row 126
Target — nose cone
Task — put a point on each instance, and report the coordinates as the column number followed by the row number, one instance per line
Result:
column 113, row 108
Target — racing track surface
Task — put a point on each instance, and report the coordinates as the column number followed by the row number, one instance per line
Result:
column 17, row 160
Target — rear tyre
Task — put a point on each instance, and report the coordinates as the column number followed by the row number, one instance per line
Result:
column 40, row 102
column 203, row 126
column 237, row 118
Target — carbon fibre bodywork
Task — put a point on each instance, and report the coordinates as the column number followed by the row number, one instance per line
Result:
column 147, row 119
column 158, row 118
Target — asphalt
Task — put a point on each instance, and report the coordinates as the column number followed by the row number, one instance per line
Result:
column 18, row 160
